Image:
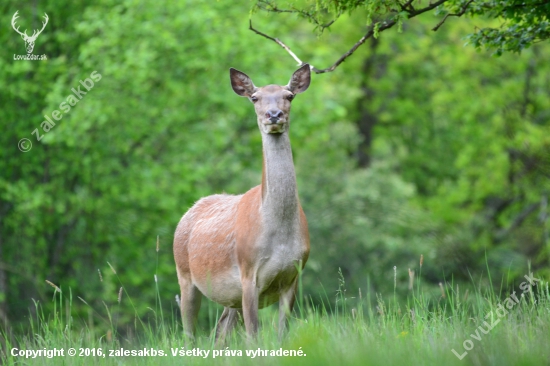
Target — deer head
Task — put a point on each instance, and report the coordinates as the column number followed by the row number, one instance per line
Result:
column 272, row 102
column 29, row 40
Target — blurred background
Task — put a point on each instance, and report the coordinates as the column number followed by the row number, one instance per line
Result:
column 417, row 145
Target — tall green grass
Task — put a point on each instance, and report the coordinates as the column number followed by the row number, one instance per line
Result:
column 359, row 328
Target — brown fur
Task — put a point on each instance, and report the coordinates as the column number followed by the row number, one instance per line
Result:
column 243, row 251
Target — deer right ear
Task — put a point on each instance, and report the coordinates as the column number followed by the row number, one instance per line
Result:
column 299, row 82
column 241, row 83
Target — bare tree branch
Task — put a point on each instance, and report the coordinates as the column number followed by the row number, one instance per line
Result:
column 280, row 43
column 408, row 4
column 459, row 14
column 383, row 25
column 427, row 8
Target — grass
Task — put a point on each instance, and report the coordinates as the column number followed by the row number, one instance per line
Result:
column 423, row 329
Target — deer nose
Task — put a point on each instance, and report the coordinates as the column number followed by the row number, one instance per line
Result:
column 274, row 115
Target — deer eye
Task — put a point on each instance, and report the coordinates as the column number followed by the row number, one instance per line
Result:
column 254, row 98
column 290, row 97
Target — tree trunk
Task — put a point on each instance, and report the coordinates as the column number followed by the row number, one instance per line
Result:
column 372, row 69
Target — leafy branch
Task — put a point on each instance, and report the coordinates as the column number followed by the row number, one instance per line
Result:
column 407, row 11
column 270, row 6
column 524, row 22
column 459, row 14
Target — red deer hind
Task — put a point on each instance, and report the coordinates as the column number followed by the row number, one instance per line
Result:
column 244, row 251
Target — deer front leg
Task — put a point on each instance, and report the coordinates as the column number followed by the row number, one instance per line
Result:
column 250, row 306
column 286, row 303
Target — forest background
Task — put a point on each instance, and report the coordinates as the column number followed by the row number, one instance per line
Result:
column 421, row 144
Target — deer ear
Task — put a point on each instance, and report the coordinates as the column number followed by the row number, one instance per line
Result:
column 241, row 83
column 299, row 82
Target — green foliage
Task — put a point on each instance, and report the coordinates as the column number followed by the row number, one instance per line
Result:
column 471, row 152
column 459, row 154
column 157, row 132
column 521, row 23
column 360, row 218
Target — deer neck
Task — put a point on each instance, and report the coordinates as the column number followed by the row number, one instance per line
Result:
column 279, row 192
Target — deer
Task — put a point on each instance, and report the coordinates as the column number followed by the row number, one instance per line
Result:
column 246, row 251
column 29, row 40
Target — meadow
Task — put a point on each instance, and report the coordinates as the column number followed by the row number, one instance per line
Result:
column 420, row 143
column 478, row 325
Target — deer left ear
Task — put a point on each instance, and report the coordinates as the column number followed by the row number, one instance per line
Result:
column 241, row 83
column 299, row 82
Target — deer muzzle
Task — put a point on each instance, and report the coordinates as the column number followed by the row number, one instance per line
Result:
column 274, row 115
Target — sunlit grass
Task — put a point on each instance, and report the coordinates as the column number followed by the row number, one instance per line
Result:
column 357, row 329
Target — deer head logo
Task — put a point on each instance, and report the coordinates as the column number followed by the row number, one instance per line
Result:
column 29, row 40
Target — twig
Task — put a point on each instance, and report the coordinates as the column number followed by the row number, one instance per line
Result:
column 407, row 4
column 270, row 7
column 412, row 14
column 459, row 14
column 370, row 32
column 274, row 8
column 340, row 60
column 280, row 43
column 367, row 35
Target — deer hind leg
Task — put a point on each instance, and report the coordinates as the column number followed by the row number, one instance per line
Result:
column 190, row 304
column 250, row 306
column 286, row 303
column 226, row 323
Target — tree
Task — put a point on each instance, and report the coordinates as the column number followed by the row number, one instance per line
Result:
column 522, row 23
column 475, row 154
column 457, row 160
